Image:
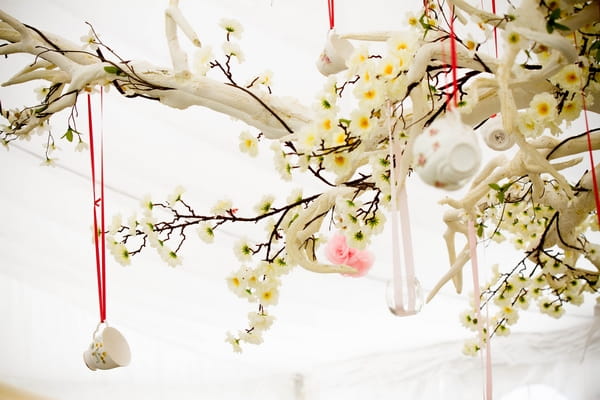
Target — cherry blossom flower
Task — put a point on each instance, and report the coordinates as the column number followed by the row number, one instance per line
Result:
column 206, row 233
column 568, row 78
column 248, row 144
column 234, row 342
column 232, row 26
column 176, row 195
column 234, row 50
column 543, row 107
column 222, row 207
column 89, row 40
column 243, row 250
column 201, row 61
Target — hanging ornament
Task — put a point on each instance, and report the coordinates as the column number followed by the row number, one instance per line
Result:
column 495, row 136
column 403, row 293
column 447, row 154
column 334, row 55
column 336, row 51
column 108, row 349
column 409, row 304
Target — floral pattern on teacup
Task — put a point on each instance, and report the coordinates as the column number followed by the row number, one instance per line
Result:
column 97, row 352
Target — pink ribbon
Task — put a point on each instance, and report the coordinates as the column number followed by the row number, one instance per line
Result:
column 403, row 274
column 484, row 338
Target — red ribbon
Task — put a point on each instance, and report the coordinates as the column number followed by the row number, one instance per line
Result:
column 98, row 202
column 495, row 29
column 592, row 165
column 453, row 59
column 330, row 5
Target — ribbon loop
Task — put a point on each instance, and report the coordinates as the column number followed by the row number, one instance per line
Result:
column 405, row 287
column 484, row 334
column 99, row 231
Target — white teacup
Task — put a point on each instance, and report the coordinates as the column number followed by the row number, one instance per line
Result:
column 446, row 154
column 335, row 54
column 495, row 136
column 108, row 350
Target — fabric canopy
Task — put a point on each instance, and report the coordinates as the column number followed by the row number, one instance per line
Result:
column 334, row 337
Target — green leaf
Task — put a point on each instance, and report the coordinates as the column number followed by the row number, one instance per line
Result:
column 561, row 27
column 68, row 135
column 500, row 196
column 555, row 14
column 495, row 186
column 551, row 24
column 480, row 230
column 113, row 70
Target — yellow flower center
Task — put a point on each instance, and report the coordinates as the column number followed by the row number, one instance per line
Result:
column 543, row 109
column 340, row 138
column 327, row 124
column 339, row 160
column 572, row 78
column 388, row 69
column 364, row 123
column 267, row 295
column 235, row 281
column 402, row 46
column 310, row 139
column 369, row 94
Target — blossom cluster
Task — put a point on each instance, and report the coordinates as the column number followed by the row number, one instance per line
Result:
column 358, row 134
column 546, row 277
column 256, row 285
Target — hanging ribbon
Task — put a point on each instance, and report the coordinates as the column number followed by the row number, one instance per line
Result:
column 453, row 61
column 484, row 337
column 403, row 274
column 495, row 29
column 592, row 165
column 330, row 6
column 99, row 242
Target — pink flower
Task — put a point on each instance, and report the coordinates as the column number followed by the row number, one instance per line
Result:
column 362, row 260
column 338, row 252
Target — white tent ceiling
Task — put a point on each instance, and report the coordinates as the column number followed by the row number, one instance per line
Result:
column 332, row 333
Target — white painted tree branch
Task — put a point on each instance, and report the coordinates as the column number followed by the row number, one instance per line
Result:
column 307, row 224
column 174, row 19
column 59, row 61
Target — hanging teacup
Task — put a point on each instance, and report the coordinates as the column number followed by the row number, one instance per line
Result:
column 495, row 136
column 446, row 154
column 108, row 349
column 335, row 53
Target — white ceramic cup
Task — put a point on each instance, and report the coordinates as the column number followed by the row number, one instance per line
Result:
column 447, row 154
column 334, row 55
column 495, row 136
column 108, row 349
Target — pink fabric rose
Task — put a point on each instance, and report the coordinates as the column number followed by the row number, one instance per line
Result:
column 338, row 252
